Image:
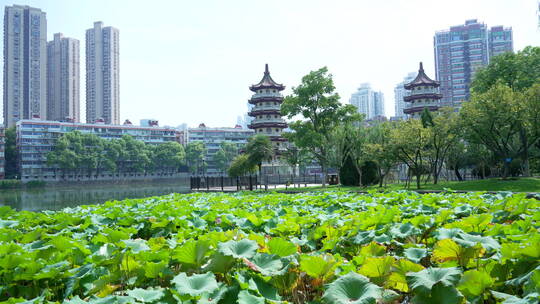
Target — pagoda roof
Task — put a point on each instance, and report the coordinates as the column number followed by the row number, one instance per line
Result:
column 267, row 82
column 421, row 79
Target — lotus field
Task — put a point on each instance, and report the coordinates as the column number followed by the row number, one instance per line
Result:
column 321, row 247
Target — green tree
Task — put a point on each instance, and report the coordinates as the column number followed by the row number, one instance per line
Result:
column 410, row 142
column 11, row 153
column 317, row 102
column 168, row 156
column 494, row 119
column 379, row 149
column 195, row 155
column 520, row 72
column 444, row 135
column 259, row 149
column 241, row 165
column 225, row 155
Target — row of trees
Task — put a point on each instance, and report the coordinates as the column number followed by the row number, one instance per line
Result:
column 497, row 130
column 80, row 153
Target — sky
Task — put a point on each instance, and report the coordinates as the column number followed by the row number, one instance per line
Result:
column 193, row 61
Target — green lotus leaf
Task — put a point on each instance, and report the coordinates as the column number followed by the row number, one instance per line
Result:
column 318, row 266
column 137, row 245
column 146, row 295
column 8, row 224
column 364, row 237
column 415, row 254
column 440, row 293
column 263, row 289
column 196, row 284
column 404, row 230
column 192, row 252
column 352, row 288
column 281, row 247
column 423, row 281
column 531, row 298
column 215, row 296
column 469, row 240
column 244, row 297
column 474, row 282
column 153, row 270
column 375, row 267
column 267, row 264
column 219, row 263
column 239, row 249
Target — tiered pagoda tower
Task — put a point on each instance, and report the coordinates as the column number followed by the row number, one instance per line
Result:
column 267, row 120
column 266, row 112
column 423, row 93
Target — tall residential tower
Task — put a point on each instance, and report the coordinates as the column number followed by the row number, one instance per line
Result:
column 367, row 101
column 63, row 79
column 102, row 74
column 399, row 93
column 461, row 51
column 25, row 64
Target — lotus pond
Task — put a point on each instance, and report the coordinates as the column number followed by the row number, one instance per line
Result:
column 320, row 247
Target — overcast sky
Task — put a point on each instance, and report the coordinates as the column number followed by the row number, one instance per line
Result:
column 193, row 61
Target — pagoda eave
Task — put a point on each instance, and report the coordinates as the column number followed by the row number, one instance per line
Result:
column 278, row 87
column 422, row 96
column 410, row 86
column 278, row 138
column 255, row 100
column 419, row 109
column 264, row 112
column 267, row 125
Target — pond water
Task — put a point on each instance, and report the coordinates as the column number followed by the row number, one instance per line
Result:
column 58, row 197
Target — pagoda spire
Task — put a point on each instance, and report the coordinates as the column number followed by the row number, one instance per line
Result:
column 421, row 70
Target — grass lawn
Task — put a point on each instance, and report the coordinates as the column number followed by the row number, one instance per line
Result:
column 493, row 184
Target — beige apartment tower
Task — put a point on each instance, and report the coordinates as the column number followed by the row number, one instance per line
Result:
column 25, row 64
column 102, row 75
column 63, row 79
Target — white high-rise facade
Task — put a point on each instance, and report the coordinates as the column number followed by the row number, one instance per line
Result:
column 63, row 79
column 25, row 64
column 102, row 74
column 399, row 93
column 367, row 101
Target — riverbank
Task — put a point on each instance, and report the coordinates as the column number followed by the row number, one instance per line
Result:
column 528, row 185
column 18, row 184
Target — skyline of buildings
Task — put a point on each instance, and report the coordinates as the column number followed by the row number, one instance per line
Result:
column 62, row 89
column 25, row 64
column 368, row 101
column 102, row 74
column 63, row 79
column 461, row 50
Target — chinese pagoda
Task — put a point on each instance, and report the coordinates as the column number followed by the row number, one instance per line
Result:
column 423, row 93
column 266, row 113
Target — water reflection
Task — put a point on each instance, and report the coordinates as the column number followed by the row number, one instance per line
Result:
column 55, row 198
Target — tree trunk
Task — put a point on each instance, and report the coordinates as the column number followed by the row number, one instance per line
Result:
column 324, row 175
column 525, row 156
column 458, row 175
column 418, row 176
column 506, row 169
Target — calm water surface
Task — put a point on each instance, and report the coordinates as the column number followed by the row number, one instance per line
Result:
column 55, row 198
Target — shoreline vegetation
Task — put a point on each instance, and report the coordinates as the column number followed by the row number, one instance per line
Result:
column 523, row 184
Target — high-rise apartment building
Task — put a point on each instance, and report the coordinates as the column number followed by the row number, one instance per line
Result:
column 399, row 93
column 102, row 74
column 25, row 64
column 63, row 79
column 367, row 101
column 461, row 51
